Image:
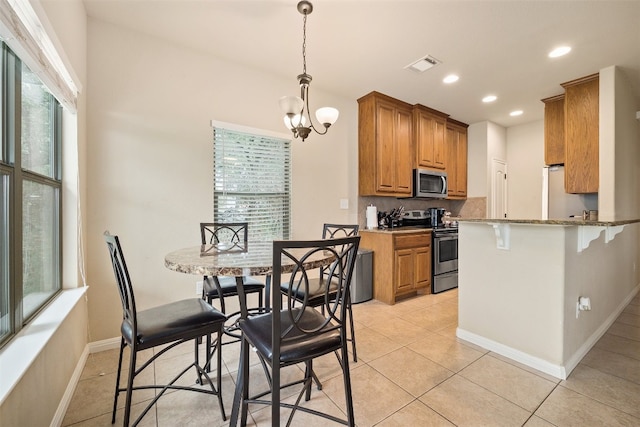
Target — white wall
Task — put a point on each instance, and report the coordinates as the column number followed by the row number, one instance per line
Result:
column 525, row 157
column 150, row 158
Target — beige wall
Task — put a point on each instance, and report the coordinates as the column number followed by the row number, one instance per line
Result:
column 521, row 302
column 525, row 157
column 620, row 143
column 477, row 185
column 149, row 163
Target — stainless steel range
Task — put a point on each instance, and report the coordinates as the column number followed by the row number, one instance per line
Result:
column 444, row 260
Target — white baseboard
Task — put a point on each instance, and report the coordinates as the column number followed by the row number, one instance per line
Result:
column 593, row 339
column 513, row 354
column 108, row 344
column 558, row 371
column 58, row 417
column 93, row 347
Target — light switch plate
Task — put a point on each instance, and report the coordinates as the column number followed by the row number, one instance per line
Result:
column 344, row 203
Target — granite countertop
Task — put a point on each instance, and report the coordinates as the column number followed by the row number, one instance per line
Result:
column 577, row 221
column 397, row 230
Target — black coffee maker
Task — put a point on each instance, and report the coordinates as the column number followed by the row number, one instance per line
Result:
column 436, row 215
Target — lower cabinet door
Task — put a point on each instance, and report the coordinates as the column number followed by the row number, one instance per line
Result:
column 422, row 267
column 404, row 263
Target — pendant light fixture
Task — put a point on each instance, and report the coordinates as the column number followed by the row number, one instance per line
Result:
column 297, row 107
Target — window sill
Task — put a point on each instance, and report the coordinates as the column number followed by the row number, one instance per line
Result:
column 17, row 356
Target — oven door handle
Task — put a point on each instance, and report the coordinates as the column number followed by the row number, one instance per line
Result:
column 449, row 237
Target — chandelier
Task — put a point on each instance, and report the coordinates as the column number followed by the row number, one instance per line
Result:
column 297, row 107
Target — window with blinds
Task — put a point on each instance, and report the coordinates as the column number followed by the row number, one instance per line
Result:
column 252, row 181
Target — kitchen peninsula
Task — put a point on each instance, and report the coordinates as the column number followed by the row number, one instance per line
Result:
column 520, row 282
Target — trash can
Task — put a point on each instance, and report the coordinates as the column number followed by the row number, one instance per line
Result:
column 362, row 280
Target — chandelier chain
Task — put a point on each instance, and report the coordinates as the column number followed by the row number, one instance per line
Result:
column 304, row 44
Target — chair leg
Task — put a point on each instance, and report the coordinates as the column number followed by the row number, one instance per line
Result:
column 117, row 393
column 275, row 394
column 219, row 361
column 346, row 375
column 245, row 383
column 308, row 374
column 353, row 330
column 242, row 385
column 132, row 374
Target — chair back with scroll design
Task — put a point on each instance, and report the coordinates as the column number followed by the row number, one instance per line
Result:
column 224, row 232
column 294, row 331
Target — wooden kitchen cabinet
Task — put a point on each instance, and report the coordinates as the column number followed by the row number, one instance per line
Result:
column 429, row 129
column 554, row 130
column 384, row 146
column 401, row 262
column 581, row 127
column 456, row 164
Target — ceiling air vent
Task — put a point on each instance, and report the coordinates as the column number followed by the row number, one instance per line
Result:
column 423, row 64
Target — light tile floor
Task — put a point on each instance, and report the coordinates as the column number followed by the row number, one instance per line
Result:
column 411, row 371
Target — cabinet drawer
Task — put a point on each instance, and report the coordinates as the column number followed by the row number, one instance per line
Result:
column 412, row 241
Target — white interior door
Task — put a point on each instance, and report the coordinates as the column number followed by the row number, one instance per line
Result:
column 498, row 189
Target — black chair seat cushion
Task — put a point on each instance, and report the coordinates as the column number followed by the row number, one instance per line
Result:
column 186, row 319
column 229, row 288
column 298, row 346
column 316, row 291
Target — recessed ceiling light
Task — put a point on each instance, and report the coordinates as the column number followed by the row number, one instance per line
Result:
column 516, row 113
column 423, row 64
column 559, row 51
column 451, row 78
column 489, row 98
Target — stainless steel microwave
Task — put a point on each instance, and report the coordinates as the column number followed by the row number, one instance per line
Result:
column 430, row 184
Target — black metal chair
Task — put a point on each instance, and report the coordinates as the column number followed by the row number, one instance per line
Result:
column 167, row 325
column 297, row 332
column 219, row 287
column 316, row 293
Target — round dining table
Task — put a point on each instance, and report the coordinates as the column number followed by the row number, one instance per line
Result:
column 255, row 258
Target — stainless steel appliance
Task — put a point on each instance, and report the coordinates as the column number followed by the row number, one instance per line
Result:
column 362, row 282
column 429, row 184
column 416, row 218
column 436, row 215
column 445, row 259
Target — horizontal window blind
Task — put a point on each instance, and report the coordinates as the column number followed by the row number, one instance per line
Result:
column 252, row 182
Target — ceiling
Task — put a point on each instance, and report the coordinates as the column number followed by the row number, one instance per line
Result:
column 356, row 46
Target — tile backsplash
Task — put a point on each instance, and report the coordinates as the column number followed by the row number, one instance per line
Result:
column 474, row 207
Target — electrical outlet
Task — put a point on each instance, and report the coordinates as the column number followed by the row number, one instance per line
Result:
column 199, row 286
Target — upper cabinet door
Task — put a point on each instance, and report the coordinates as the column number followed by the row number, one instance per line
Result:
column 554, row 130
column 404, row 159
column 429, row 137
column 385, row 150
column 456, row 160
column 385, row 147
column 581, row 127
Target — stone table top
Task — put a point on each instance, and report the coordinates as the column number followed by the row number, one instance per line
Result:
column 226, row 259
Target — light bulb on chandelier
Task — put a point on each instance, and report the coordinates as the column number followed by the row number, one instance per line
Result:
column 296, row 108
